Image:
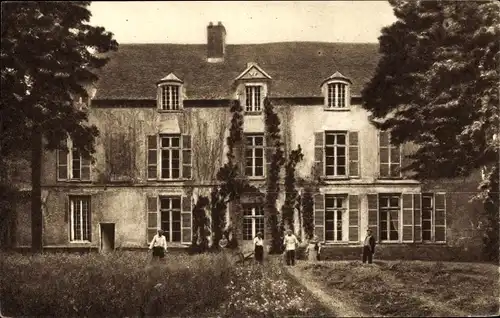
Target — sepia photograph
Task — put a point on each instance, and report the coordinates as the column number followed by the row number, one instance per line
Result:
column 250, row 158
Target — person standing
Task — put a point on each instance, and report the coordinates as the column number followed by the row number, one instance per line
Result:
column 368, row 247
column 291, row 242
column 312, row 249
column 258, row 243
column 158, row 245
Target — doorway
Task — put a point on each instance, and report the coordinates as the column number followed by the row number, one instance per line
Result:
column 107, row 237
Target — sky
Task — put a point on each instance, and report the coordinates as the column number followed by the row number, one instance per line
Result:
column 245, row 21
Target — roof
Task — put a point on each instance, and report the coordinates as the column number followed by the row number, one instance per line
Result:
column 297, row 69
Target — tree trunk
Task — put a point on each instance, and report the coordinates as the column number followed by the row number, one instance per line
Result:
column 36, row 192
column 491, row 207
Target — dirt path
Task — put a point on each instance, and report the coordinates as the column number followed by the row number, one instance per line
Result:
column 340, row 308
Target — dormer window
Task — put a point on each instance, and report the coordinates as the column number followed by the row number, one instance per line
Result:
column 169, row 96
column 253, row 101
column 336, row 90
column 337, row 95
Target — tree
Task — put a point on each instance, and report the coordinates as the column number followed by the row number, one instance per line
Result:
column 48, row 54
column 436, row 85
column 275, row 151
column 291, row 193
column 200, row 223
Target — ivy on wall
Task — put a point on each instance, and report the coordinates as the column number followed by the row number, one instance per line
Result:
column 275, row 150
column 291, row 193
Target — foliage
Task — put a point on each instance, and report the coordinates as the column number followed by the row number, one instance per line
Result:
column 47, row 60
column 200, row 224
column 119, row 284
column 291, row 193
column 274, row 143
column 307, row 202
column 437, row 85
column 267, row 291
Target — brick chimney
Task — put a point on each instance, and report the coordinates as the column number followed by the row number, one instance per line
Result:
column 216, row 42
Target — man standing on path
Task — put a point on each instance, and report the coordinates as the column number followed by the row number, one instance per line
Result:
column 291, row 242
column 368, row 247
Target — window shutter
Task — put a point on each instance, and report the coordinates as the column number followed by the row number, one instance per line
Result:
column 373, row 214
column 417, row 217
column 383, row 151
column 152, row 211
column 319, row 146
column 152, row 157
column 407, row 217
column 186, row 157
column 353, row 218
column 319, row 216
column 440, row 217
column 353, row 154
column 85, row 169
column 186, row 219
column 62, row 164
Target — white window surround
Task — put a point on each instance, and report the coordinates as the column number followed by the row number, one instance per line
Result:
column 340, row 215
column 332, row 93
column 72, row 166
column 253, row 221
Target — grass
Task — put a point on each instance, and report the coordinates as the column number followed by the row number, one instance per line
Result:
column 123, row 284
column 412, row 288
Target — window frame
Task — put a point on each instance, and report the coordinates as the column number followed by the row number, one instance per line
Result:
column 81, row 199
column 170, row 149
column 346, row 154
column 161, row 96
column 432, row 226
column 253, row 217
column 334, row 104
column 388, row 218
column 344, row 210
column 389, row 148
column 170, row 211
column 253, row 147
column 253, row 110
column 70, row 153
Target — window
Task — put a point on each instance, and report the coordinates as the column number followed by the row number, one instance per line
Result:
column 253, row 98
column 80, row 227
column 427, row 211
column 335, row 207
column 71, row 165
column 337, row 93
column 169, row 97
column 253, row 221
column 389, row 210
column 170, row 157
column 335, row 154
column 390, row 157
column 170, row 214
column 254, row 156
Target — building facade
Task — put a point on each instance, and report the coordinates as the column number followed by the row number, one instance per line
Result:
column 163, row 112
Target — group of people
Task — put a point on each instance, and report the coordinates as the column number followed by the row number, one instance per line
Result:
column 290, row 242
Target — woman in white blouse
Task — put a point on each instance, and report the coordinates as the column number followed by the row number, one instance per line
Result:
column 158, row 245
column 259, row 247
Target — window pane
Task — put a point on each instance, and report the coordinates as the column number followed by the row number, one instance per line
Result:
column 165, row 142
column 383, row 202
column 384, row 139
column 259, row 211
column 384, row 155
column 259, row 152
column 340, row 139
column 175, row 154
column 395, row 170
column 165, row 173
column 329, row 151
column 340, row 151
column 426, row 235
column 384, row 169
column 329, row 171
column 175, row 173
column 259, row 171
column 249, row 141
column 259, row 162
column 426, row 214
column 394, row 201
column 340, row 160
column 175, row 142
column 152, row 160
column 341, row 171
column 176, row 204
column 259, row 140
column 249, row 162
column 329, row 139
column 248, row 153
column 176, row 236
column 426, row 202
column 248, row 171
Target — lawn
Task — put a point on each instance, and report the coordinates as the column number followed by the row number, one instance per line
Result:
column 411, row 288
column 123, row 284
